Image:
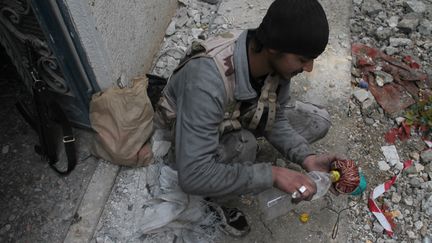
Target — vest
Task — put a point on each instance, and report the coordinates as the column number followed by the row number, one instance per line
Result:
column 221, row 50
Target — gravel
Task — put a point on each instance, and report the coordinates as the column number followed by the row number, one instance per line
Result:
column 399, row 28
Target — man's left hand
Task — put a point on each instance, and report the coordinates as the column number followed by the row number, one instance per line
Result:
column 320, row 162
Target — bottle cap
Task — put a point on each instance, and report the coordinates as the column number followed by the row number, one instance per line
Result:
column 334, row 176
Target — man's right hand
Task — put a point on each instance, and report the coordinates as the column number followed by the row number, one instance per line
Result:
column 290, row 181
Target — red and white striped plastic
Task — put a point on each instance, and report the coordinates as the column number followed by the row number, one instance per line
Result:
column 378, row 191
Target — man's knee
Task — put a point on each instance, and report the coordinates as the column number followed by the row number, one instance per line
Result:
column 238, row 146
column 321, row 125
column 310, row 121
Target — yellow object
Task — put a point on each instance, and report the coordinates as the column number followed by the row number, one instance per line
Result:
column 334, row 176
column 304, row 217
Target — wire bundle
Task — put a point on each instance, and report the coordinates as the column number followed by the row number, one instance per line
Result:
column 349, row 176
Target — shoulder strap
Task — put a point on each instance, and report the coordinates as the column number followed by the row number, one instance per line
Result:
column 47, row 109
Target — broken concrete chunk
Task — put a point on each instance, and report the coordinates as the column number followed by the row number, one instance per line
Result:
column 196, row 32
column 371, row 7
column 415, row 6
column 396, row 197
column 361, row 94
column 369, row 105
column 400, row 41
column 182, row 19
column 393, row 21
column 390, row 50
column 391, row 155
column 383, row 78
column 427, row 205
column 409, row 23
column 383, row 166
column 383, row 33
column 426, row 156
column 171, row 28
column 399, row 120
column 425, row 27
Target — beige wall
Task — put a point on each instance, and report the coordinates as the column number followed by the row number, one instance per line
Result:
column 121, row 36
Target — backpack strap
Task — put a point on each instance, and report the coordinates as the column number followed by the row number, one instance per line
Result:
column 49, row 111
column 267, row 99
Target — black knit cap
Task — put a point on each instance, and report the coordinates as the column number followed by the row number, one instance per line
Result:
column 295, row 26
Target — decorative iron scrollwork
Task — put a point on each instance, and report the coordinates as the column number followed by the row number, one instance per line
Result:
column 19, row 32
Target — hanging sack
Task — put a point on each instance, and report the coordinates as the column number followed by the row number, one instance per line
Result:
column 123, row 121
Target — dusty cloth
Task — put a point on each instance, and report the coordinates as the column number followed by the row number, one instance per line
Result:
column 174, row 216
column 200, row 100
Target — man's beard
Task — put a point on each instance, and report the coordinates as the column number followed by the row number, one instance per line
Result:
column 282, row 75
column 287, row 76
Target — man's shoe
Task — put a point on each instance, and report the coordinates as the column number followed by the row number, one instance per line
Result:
column 232, row 221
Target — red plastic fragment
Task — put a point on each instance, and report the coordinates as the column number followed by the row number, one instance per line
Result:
column 410, row 61
column 391, row 135
column 402, row 133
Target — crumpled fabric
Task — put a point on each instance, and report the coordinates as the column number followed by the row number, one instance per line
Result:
column 173, row 215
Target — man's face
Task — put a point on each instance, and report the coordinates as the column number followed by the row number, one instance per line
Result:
column 287, row 65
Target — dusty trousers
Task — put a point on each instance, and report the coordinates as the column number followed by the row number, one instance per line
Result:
column 310, row 121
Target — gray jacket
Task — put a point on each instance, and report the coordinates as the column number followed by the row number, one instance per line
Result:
column 200, row 100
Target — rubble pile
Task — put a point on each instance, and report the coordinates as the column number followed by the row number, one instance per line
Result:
column 400, row 27
column 402, row 30
column 193, row 20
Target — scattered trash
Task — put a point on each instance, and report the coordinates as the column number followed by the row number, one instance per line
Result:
column 304, row 217
column 380, row 213
column 376, row 67
column 410, row 61
column 420, row 115
column 391, row 154
column 363, row 84
column 402, row 133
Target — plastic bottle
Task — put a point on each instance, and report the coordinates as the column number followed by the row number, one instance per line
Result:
column 274, row 202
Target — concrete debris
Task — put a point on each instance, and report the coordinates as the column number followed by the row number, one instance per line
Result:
column 171, row 28
column 361, row 95
column 409, row 23
column 371, row 7
column 416, row 6
column 192, row 21
column 427, row 205
column 383, row 78
column 425, row 27
column 391, row 154
column 390, row 50
column 396, row 197
column 426, row 156
column 382, row 165
column 395, row 42
column 393, row 21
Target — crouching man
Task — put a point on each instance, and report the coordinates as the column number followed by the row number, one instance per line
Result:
column 235, row 87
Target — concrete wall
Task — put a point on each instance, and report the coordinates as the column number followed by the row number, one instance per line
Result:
column 121, row 36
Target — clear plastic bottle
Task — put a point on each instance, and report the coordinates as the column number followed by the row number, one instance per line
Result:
column 274, row 202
